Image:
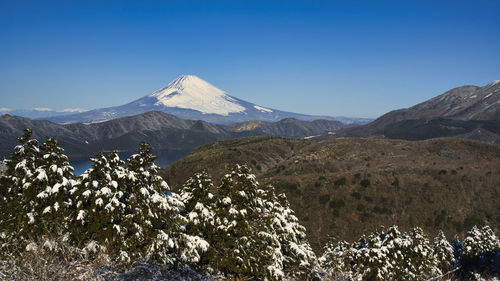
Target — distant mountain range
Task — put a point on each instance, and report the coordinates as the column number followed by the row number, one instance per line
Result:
column 172, row 137
column 40, row 112
column 189, row 97
column 469, row 111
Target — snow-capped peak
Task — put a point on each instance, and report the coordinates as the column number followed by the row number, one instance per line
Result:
column 191, row 92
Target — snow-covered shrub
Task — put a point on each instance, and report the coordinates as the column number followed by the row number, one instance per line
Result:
column 479, row 242
column 293, row 252
column 199, row 210
column 337, row 260
column 480, row 253
column 99, row 203
column 20, row 168
column 239, row 249
column 45, row 197
column 443, row 252
column 52, row 258
column 131, row 211
column 251, row 232
column 384, row 255
column 35, row 191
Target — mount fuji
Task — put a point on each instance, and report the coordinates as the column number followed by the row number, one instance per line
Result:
column 189, row 97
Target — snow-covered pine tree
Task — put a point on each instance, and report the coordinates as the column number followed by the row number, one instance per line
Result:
column 244, row 247
column 294, row 256
column 20, row 168
column 199, row 205
column 383, row 255
column 443, row 253
column 99, row 205
column 480, row 250
column 153, row 220
column 45, row 197
column 419, row 262
column 479, row 242
column 336, row 260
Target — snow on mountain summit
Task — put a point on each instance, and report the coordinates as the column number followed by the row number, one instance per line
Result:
column 189, row 97
column 191, row 92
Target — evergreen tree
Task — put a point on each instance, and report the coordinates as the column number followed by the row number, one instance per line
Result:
column 337, row 260
column 480, row 251
column 20, row 168
column 294, row 256
column 384, row 255
column 443, row 252
column 156, row 227
column 45, row 197
column 244, row 247
column 99, row 201
column 199, row 205
column 480, row 242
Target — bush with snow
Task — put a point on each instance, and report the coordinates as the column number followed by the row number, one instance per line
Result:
column 251, row 232
column 122, row 213
column 383, row 255
column 443, row 253
column 479, row 252
column 35, row 191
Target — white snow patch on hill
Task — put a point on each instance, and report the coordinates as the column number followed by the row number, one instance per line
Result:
column 262, row 109
column 191, row 92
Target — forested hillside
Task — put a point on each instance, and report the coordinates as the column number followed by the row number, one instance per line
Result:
column 347, row 187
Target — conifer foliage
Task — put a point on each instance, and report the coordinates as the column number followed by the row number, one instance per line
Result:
column 384, row 255
column 251, row 232
column 443, row 253
column 238, row 229
column 100, row 204
column 35, row 189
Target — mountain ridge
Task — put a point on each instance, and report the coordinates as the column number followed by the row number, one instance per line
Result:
column 165, row 132
column 473, row 105
column 189, row 97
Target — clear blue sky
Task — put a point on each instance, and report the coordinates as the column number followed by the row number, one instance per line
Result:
column 351, row 58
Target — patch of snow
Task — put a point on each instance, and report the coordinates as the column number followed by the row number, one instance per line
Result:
column 487, row 96
column 473, row 97
column 31, row 218
column 118, row 229
column 494, row 83
column 31, row 247
column 105, row 191
column 191, row 92
column 262, row 109
column 81, row 215
column 86, row 193
column 99, row 202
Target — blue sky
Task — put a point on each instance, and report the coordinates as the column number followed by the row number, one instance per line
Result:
column 351, row 58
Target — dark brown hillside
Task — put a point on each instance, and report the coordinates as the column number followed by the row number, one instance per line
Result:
column 465, row 112
column 349, row 186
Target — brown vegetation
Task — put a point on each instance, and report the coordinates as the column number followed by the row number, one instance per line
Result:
column 350, row 186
